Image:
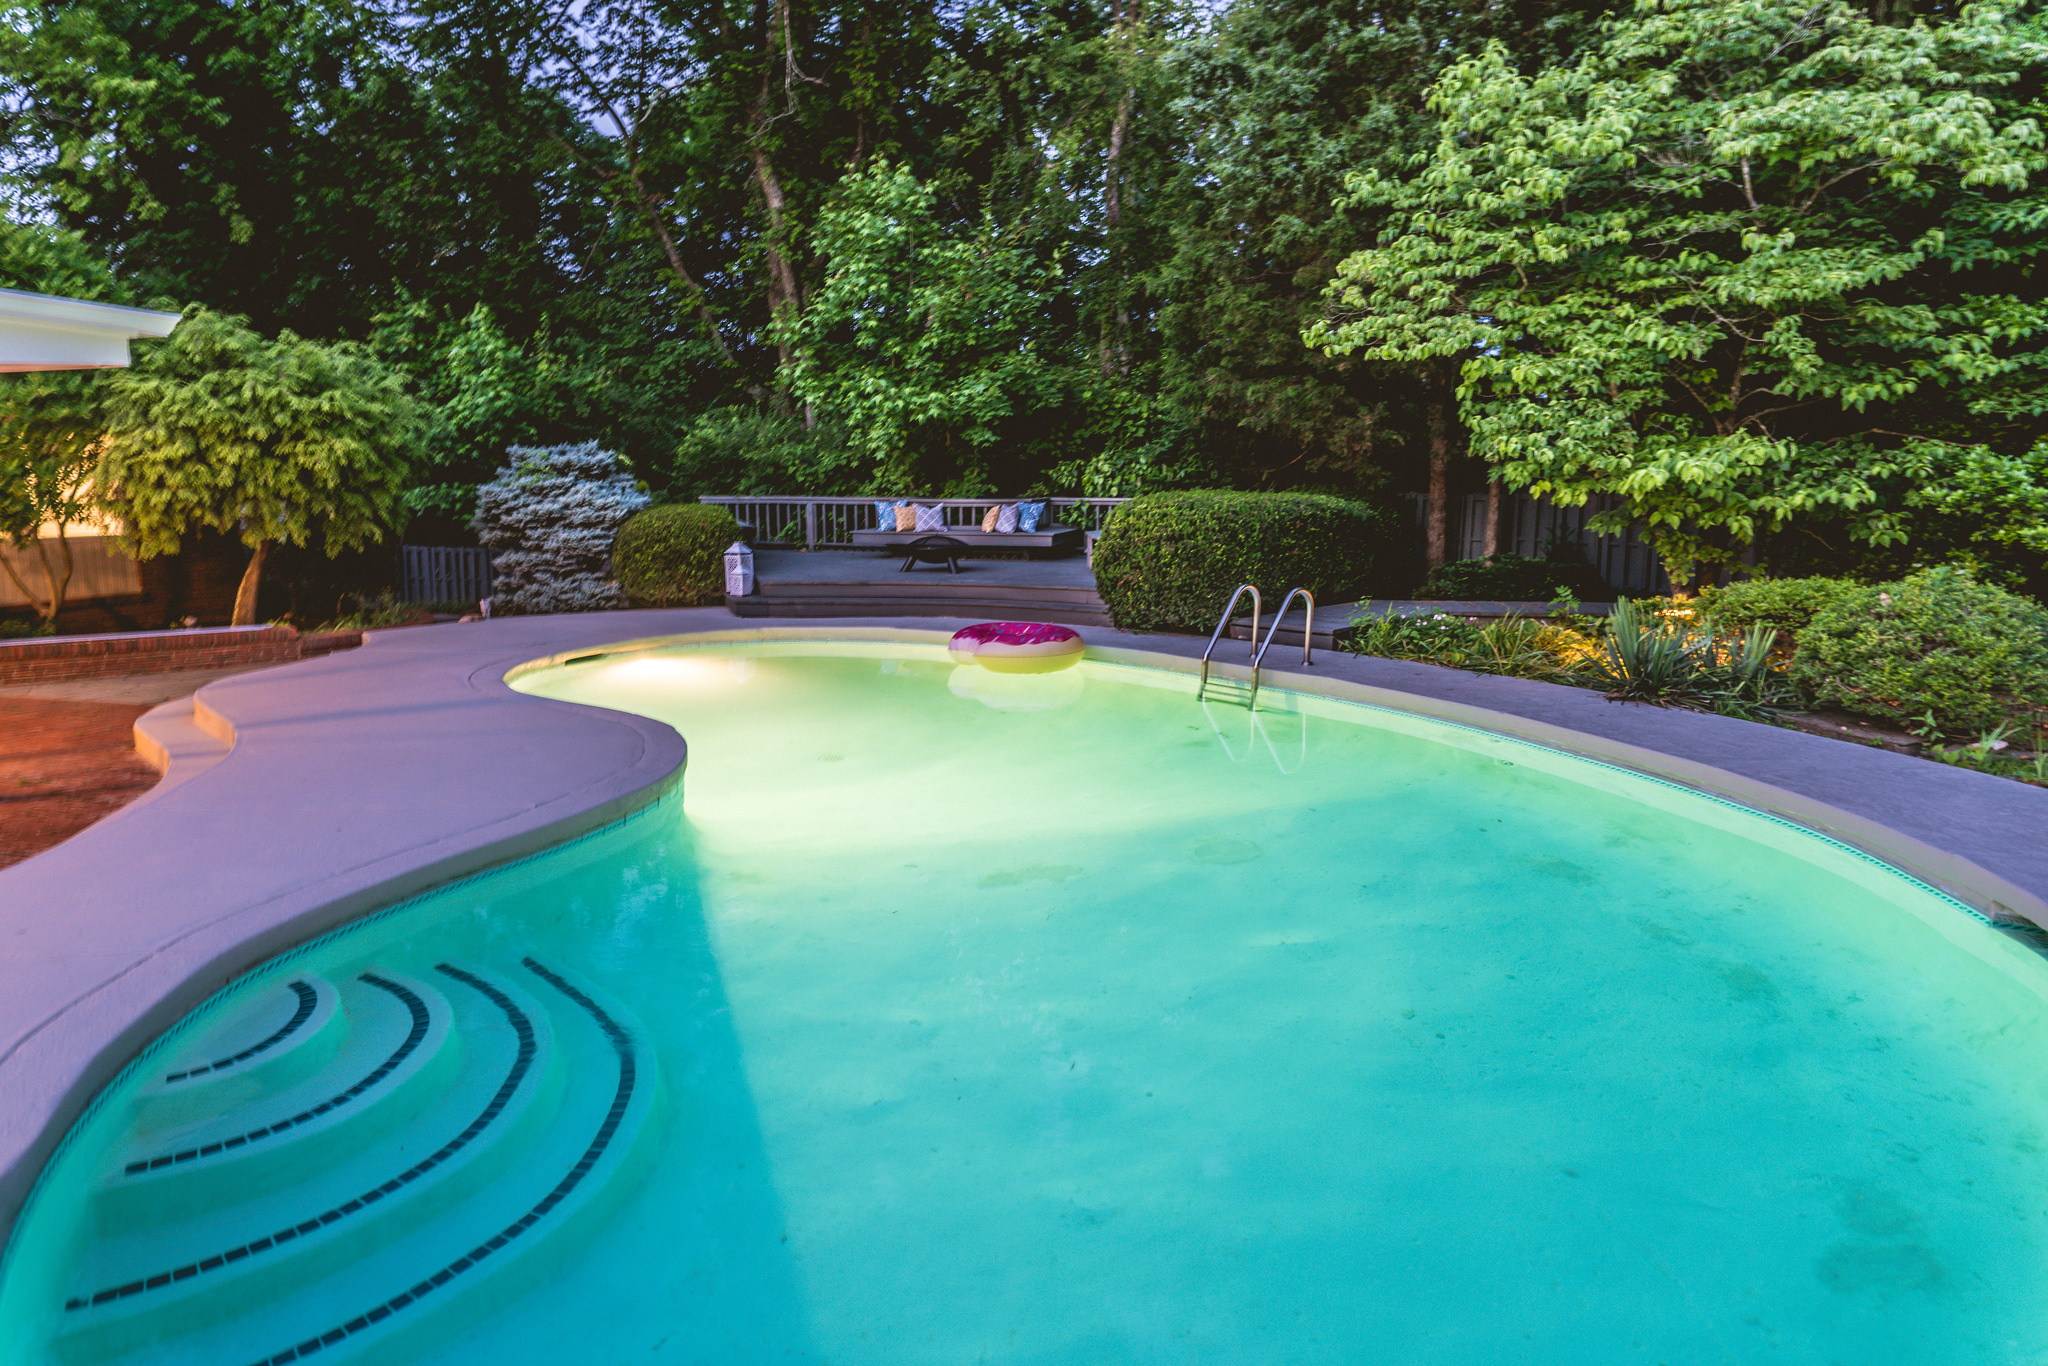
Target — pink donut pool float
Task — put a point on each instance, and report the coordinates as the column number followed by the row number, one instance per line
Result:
column 1016, row 647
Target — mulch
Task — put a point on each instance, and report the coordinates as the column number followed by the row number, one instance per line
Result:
column 64, row 765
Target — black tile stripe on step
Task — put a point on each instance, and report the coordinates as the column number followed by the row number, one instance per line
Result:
column 384, row 1069
column 308, row 998
column 621, row 1043
column 521, row 1064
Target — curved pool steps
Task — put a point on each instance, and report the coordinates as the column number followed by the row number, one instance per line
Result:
column 502, row 1093
column 290, row 1033
column 400, row 1058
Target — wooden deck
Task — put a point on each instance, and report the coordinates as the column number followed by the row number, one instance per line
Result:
column 852, row 583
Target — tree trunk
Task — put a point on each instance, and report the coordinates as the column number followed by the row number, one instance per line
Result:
column 252, row 577
column 1436, row 523
column 1492, row 518
column 55, row 583
column 1116, row 343
column 20, row 585
column 783, row 295
column 785, row 299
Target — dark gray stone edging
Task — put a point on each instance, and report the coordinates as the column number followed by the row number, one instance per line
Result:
column 360, row 779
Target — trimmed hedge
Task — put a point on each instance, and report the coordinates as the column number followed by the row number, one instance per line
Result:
column 1940, row 643
column 1787, row 606
column 672, row 555
column 1168, row 561
column 1512, row 578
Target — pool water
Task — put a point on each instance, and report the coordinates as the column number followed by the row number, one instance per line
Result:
column 951, row 1017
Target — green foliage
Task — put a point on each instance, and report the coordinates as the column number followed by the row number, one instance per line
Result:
column 1169, row 561
column 672, row 554
column 50, row 429
column 1716, row 266
column 1984, row 759
column 1278, row 104
column 1967, row 657
column 483, row 390
column 50, row 423
column 272, row 159
column 43, row 260
column 1511, row 646
column 1768, row 269
column 1668, row 658
column 923, row 339
column 370, row 613
column 1985, row 512
column 286, row 440
column 1514, row 578
column 744, row 450
column 1787, row 606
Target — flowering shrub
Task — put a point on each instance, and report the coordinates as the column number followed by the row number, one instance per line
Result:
column 549, row 518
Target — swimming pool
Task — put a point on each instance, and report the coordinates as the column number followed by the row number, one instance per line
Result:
column 1063, row 1019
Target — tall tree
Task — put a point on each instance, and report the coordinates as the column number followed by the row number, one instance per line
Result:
column 1706, row 268
column 49, row 446
column 1282, row 102
column 275, row 441
column 923, row 339
column 50, row 423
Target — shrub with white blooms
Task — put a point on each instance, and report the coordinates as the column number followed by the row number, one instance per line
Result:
column 549, row 519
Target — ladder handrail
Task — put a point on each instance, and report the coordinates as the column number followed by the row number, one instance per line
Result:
column 1222, row 623
column 1308, row 631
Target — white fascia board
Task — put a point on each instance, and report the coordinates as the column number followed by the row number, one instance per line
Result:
column 47, row 332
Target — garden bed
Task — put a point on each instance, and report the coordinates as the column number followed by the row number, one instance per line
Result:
column 1935, row 666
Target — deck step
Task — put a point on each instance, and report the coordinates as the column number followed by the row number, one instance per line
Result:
column 1330, row 634
column 925, row 584
column 1069, row 607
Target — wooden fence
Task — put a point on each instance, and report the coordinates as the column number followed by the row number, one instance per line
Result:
column 444, row 573
column 1530, row 526
column 99, row 569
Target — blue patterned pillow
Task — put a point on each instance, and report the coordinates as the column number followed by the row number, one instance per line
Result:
column 1028, row 515
column 885, row 515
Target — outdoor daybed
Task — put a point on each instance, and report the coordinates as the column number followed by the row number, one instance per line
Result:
column 1046, row 541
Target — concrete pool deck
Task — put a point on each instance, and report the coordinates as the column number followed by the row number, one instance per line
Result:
column 304, row 796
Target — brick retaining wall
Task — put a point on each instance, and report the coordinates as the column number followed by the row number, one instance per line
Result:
column 53, row 658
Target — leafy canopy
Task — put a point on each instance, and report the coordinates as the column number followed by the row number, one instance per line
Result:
column 923, row 328
column 283, row 440
column 1705, row 266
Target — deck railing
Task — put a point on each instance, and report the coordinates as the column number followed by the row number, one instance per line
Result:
column 829, row 523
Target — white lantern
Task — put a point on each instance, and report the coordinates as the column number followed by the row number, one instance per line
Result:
column 739, row 570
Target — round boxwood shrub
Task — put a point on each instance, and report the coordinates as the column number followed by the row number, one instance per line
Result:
column 1787, row 606
column 1168, row 561
column 673, row 554
column 1939, row 643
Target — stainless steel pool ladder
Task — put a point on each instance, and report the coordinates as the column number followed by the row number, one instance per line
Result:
column 1308, row 631
column 1223, row 624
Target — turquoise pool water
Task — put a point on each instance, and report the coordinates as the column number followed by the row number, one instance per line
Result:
column 950, row 1018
